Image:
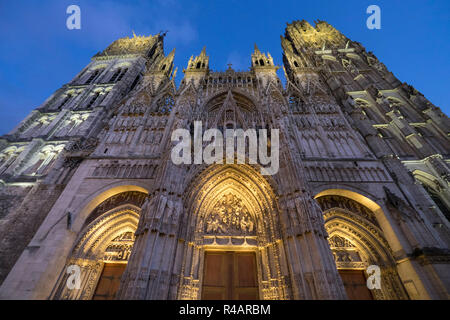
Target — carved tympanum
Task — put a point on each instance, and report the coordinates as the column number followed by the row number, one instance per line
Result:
column 120, row 247
column 230, row 216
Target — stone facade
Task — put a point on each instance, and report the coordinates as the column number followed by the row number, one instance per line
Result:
column 87, row 178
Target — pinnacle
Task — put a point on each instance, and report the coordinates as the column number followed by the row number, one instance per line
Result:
column 257, row 49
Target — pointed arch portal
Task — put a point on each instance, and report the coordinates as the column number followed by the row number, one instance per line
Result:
column 235, row 250
column 101, row 251
column 357, row 242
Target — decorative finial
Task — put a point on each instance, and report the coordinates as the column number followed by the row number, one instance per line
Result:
column 285, row 73
column 174, row 73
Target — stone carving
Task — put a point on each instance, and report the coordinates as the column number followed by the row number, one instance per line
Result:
column 329, row 202
column 373, row 62
column 346, row 254
column 126, row 169
column 133, row 197
column 441, row 168
column 88, row 144
column 136, row 44
column 120, row 247
column 339, row 242
column 230, row 216
column 399, row 207
column 350, row 67
column 71, row 163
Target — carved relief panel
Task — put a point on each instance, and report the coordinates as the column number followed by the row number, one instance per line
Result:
column 229, row 216
column 119, row 249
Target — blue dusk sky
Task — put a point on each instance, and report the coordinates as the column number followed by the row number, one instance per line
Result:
column 39, row 54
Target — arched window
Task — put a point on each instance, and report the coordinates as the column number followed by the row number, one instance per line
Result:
column 93, row 76
column 8, row 156
column 165, row 104
column 115, row 75
column 433, row 140
column 397, row 148
column 434, row 190
column 93, row 100
column 122, row 74
column 118, row 75
column 65, row 100
column 437, row 200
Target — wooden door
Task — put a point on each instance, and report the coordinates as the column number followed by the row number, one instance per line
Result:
column 355, row 284
column 109, row 281
column 230, row 275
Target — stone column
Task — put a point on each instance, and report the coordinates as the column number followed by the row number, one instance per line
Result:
column 313, row 270
column 150, row 272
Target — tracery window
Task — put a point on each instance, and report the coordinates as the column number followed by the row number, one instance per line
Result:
column 115, row 75
column 8, row 156
column 67, row 98
column 165, row 104
column 437, row 200
column 397, row 148
column 94, row 75
column 43, row 161
column 122, row 73
column 93, row 99
column 432, row 140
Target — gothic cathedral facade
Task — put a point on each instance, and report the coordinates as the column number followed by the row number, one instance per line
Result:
column 93, row 207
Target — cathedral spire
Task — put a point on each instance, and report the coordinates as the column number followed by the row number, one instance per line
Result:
column 257, row 49
column 137, row 44
column 198, row 64
column 164, row 64
column 261, row 60
column 263, row 65
column 197, row 67
column 203, row 53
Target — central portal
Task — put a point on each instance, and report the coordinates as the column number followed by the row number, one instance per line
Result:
column 230, row 275
column 233, row 247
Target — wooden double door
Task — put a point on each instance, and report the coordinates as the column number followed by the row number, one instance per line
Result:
column 230, row 275
column 109, row 281
column 355, row 283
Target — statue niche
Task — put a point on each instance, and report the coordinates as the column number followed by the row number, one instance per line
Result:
column 229, row 216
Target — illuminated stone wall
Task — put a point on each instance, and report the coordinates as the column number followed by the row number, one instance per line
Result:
column 43, row 151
